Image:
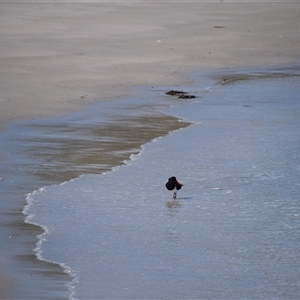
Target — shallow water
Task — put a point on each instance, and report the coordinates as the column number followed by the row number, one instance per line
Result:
column 46, row 152
column 233, row 232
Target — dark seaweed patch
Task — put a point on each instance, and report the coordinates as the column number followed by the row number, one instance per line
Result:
column 180, row 94
column 186, row 96
column 175, row 93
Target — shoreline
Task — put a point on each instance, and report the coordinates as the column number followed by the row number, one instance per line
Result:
column 218, row 91
column 98, row 143
column 50, row 177
column 53, row 65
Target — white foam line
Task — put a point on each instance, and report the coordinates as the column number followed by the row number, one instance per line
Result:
column 42, row 238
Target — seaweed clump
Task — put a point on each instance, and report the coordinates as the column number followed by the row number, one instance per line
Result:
column 180, row 94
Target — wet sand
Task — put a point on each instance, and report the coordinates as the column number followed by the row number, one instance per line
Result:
column 58, row 57
column 5, row 286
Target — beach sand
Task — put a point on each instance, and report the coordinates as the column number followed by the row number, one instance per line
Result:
column 6, row 285
column 58, row 57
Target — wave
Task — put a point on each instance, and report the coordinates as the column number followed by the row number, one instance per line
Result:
column 41, row 238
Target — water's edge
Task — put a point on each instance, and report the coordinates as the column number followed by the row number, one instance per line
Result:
column 47, row 152
column 52, row 151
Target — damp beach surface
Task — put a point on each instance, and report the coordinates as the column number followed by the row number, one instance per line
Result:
column 59, row 61
column 232, row 233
